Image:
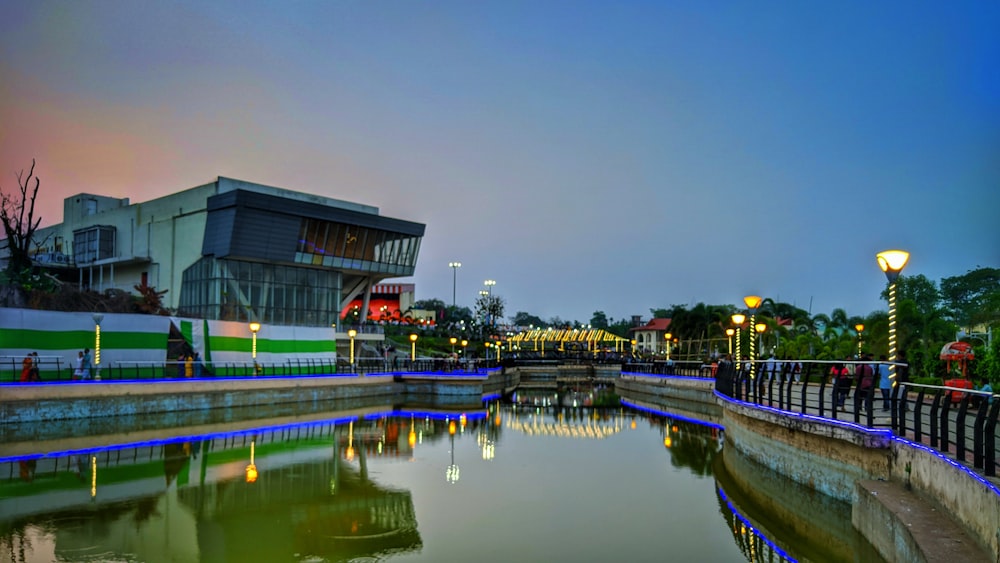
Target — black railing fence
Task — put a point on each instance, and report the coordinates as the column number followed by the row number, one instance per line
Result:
column 956, row 421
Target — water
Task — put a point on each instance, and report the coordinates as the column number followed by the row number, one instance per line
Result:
column 501, row 483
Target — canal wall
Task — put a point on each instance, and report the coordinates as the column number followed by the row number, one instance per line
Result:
column 836, row 457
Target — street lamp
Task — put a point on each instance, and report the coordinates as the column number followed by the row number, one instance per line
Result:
column 760, row 328
column 729, row 333
column 738, row 319
column 352, row 333
column 454, row 279
column 98, row 317
column 860, row 328
column 464, row 344
column 413, row 347
column 892, row 263
column 254, row 327
column 752, row 302
column 667, row 337
column 489, row 284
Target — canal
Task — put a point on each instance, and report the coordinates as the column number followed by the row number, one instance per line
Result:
column 522, row 481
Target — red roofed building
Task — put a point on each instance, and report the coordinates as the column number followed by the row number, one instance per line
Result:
column 649, row 338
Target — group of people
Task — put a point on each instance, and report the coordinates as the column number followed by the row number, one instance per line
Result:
column 865, row 376
column 189, row 365
column 82, row 368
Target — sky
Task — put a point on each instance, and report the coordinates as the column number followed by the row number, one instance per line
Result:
column 587, row 156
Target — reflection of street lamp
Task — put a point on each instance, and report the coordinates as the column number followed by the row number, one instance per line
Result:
column 98, row 317
column 892, row 263
column 350, row 442
column 252, row 468
column 860, row 328
column 451, row 474
column 352, row 333
column 752, row 302
column 667, row 337
column 454, row 279
column 413, row 347
column 738, row 319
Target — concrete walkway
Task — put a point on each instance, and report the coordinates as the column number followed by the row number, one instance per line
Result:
column 897, row 521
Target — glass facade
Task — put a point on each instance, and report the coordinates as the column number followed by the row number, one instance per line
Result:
column 94, row 243
column 363, row 249
column 234, row 290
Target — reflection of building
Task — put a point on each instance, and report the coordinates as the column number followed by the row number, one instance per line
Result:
column 534, row 424
column 233, row 250
column 190, row 501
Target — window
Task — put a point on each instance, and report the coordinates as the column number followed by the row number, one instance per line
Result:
column 93, row 244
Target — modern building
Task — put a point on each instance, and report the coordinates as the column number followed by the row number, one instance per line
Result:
column 234, row 250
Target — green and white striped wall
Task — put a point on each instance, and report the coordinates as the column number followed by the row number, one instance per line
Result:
column 143, row 338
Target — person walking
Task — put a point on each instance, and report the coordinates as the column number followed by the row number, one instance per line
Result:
column 884, row 383
column 85, row 364
column 26, row 364
column 841, row 378
column 78, row 366
column 864, row 375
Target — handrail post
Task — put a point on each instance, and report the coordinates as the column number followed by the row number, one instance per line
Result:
column 935, row 413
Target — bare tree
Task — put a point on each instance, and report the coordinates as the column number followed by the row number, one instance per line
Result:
column 17, row 213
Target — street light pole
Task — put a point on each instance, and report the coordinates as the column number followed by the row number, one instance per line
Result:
column 454, row 280
column 254, row 327
column 752, row 302
column 860, row 328
column 738, row 319
column 892, row 263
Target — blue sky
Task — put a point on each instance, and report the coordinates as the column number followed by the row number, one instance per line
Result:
column 614, row 156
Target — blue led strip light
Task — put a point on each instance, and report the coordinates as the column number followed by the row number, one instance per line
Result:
column 777, row 550
column 672, row 415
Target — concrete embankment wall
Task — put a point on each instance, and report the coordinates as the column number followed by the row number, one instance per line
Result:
column 834, row 457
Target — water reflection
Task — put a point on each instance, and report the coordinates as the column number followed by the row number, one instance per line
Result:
column 344, row 488
column 194, row 499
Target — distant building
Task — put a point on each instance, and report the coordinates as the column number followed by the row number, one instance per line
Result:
column 233, row 250
column 650, row 338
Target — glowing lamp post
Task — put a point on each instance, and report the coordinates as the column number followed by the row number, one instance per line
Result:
column 729, row 333
column 352, row 333
column 752, row 302
column 738, row 319
column 489, row 285
column 453, row 341
column 254, row 327
column 454, row 279
column 860, row 328
column 98, row 317
column 667, row 337
column 464, row 344
column 760, row 328
column 413, row 347
column 892, row 263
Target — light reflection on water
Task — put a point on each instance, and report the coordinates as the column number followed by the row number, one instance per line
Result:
column 540, row 483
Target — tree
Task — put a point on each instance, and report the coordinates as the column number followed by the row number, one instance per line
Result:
column 973, row 299
column 490, row 309
column 523, row 319
column 17, row 213
column 599, row 320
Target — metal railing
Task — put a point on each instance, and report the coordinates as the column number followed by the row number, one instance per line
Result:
column 958, row 422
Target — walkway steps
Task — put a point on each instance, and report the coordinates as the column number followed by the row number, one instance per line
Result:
column 904, row 527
